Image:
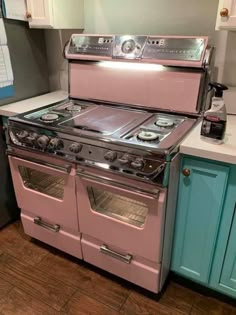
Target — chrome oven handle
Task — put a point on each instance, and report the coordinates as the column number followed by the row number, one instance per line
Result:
column 154, row 193
column 51, row 227
column 124, row 258
column 66, row 168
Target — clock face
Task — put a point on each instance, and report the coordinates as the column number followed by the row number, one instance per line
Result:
column 128, row 46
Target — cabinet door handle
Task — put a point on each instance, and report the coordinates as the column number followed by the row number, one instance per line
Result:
column 28, row 15
column 186, row 172
column 51, row 227
column 124, row 258
column 224, row 12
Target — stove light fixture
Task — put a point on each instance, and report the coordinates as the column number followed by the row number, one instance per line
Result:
column 131, row 66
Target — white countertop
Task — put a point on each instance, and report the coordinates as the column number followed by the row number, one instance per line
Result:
column 32, row 103
column 194, row 145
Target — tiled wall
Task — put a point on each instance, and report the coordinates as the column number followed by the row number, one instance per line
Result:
column 182, row 17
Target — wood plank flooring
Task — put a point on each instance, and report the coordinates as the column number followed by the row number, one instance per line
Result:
column 38, row 279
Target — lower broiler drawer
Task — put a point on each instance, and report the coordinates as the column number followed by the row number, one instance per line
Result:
column 132, row 268
column 52, row 234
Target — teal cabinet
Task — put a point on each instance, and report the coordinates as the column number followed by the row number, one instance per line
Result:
column 228, row 275
column 223, row 275
column 202, row 189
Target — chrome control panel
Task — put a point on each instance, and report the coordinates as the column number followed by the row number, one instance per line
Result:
column 91, row 45
column 189, row 49
column 86, row 154
column 172, row 48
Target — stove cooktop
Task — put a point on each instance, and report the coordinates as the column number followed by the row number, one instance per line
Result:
column 111, row 137
column 127, row 126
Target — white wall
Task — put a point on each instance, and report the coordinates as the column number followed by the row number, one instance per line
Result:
column 183, row 17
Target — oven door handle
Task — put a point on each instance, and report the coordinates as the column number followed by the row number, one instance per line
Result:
column 66, row 168
column 124, row 258
column 154, row 193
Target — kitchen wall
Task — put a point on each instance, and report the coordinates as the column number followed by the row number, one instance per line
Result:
column 185, row 17
column 29, row 61
column 57, row 65
column 151, row 16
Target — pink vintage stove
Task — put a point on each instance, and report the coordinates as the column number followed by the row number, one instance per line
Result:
column 96, row 176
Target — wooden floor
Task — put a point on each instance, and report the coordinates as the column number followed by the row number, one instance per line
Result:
column 37, row 279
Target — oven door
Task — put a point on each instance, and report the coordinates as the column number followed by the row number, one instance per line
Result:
column 46, row 190
column 122, row 212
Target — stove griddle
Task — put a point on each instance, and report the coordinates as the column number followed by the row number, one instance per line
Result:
column 105, row 120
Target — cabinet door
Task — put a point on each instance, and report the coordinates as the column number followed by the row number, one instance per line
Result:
column 200, row 201
column 40, row 13
column 226, row 15
column 228, row 275
column 223, row 274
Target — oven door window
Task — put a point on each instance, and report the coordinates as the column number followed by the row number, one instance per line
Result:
column 42, row 182
column 119, row 207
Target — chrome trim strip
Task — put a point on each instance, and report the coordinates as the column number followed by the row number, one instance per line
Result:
column 154, row 193
column 66, row 168
column 124, row 258
column 209, row 53
column 50, row 227
column 138, row 107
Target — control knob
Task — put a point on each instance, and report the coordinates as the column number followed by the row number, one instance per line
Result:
column 110, row 156
column 21, row 135
column 43, row 141
column 125, row 159
column 138, row 163
column 31, row 138
column 55, row 144
column 75, row 147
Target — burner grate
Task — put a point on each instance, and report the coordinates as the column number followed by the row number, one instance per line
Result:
column 49, row 118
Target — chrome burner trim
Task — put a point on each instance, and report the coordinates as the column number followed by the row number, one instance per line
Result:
column 164, row 123
column 147, row 135
column 49, row 117
column 73, row 108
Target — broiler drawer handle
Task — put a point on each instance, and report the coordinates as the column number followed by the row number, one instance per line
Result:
column 124, row 258
column 51, row 227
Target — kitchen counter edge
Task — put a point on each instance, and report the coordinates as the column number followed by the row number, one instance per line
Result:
column 32, row 103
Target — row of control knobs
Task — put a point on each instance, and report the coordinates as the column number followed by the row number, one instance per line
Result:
column 44, row 142
column 137, row 163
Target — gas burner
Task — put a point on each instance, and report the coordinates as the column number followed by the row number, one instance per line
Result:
column 148, row 136
column 49, row 118
column 164, row 123
column 73, row 108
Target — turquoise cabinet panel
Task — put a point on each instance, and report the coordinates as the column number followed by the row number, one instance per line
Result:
column 200, row 201
column 228, row 275
column 223, row 275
